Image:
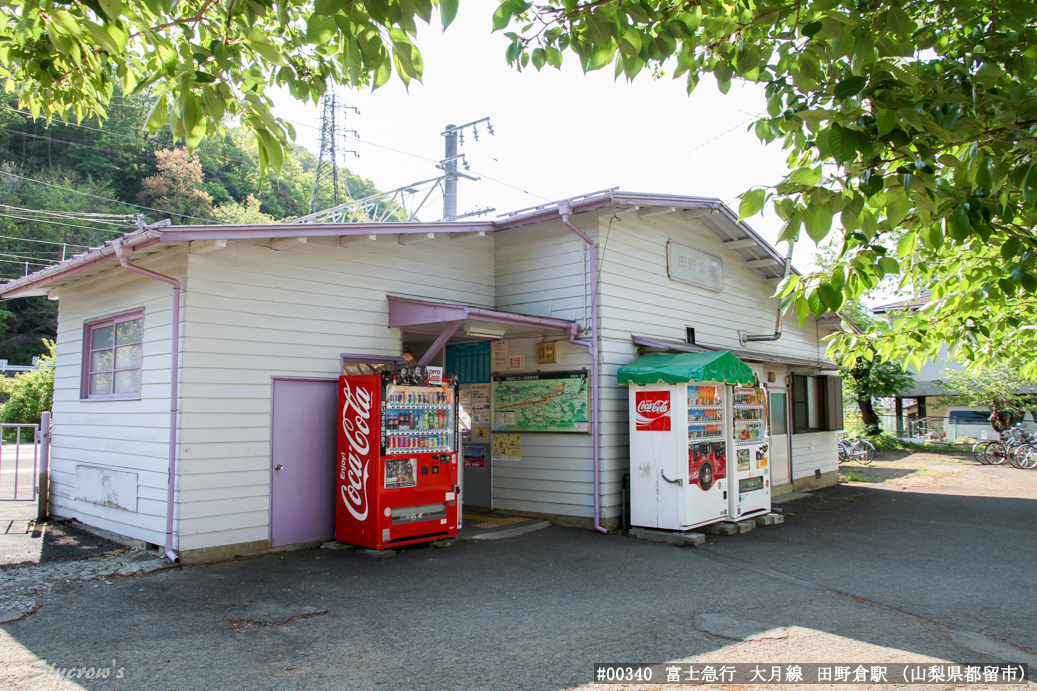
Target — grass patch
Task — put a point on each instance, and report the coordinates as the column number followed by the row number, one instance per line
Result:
column 857, row 476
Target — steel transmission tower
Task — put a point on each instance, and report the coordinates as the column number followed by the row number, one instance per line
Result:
column 326, row 188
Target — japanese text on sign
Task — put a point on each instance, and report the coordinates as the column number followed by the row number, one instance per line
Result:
column 811, row 673
column 689, row 265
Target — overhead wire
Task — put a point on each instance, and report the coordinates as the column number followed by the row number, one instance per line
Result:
column 58, row 223
column 46, row 242
column 108, row 199
column 696, row 148
column 70, row 214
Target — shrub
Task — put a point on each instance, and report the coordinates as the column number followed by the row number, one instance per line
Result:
column 31, row 393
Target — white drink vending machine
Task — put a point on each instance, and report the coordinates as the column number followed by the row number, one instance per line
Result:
column 678, row 455
column 750, row 469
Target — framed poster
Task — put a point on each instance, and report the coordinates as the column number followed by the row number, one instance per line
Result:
column 544, row 402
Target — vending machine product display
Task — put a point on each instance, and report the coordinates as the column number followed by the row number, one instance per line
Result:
column 750, row 480
column 397, row 480
column 698, row 447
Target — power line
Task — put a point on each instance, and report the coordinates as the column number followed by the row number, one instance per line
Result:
column 690, row 151
column 75, row 215
column 114, row 201
column 11, row 261
column 19, row 256
column 46, row 242
column 58, row 223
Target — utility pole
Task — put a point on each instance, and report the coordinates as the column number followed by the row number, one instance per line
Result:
column 453, row 135
column 450, row 184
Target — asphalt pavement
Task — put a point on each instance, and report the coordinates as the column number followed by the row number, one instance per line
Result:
column 858, row 573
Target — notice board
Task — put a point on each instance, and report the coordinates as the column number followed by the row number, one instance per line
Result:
column 543, row 402
column 469, row 361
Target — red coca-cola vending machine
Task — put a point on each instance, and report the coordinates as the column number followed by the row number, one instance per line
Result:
column 397, row 466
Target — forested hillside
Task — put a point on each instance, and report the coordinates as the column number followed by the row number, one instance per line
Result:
column 65, row 188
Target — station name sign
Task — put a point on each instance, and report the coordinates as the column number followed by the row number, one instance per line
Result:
column 689, row 265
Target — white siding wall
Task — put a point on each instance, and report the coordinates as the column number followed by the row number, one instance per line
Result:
column 638, row 297
column 540, row 271
column 131, row 436
column 256, row 313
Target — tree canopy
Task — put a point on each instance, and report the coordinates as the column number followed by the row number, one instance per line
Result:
column 910, row 124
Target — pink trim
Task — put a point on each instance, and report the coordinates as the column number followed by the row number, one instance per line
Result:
column 406, row 312
column 124, row 253
column 79, row 262
column 84, row 378
column 593, row 346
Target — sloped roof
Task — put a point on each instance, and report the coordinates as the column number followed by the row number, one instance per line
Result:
column 709, row 211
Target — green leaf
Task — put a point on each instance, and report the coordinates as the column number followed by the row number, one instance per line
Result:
column 158, row 115
column 320, row 29
column 812, row 28
column 1011, row 248
column 502, row 15
column 842, row 143
column 752, row 203
column 850, row 86
column 818, row 221
column 829, row 296
column 447, row 12
column 889, row 265
column 906, row 245
column 805, row 176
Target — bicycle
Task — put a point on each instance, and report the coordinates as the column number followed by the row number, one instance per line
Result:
column 856, row 449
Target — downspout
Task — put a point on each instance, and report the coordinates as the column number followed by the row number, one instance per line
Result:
column 592, row 346
column 124, row 253
column 755, row 338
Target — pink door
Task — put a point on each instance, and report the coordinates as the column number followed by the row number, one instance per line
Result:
column 302, row 461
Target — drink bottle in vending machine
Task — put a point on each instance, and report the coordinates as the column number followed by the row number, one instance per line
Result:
column 397, row 480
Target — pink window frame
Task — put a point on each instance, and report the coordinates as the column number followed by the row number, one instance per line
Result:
column 84, row 378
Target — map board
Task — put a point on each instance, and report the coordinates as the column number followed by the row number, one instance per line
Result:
column 546, row 402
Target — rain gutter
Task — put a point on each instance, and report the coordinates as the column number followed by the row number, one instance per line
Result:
column 593, row 346
column 123, row 252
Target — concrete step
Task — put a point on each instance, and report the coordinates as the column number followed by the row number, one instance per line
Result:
column 729, row 527
column 668, row 538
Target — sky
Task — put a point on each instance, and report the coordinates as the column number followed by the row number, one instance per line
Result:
column 557, row 133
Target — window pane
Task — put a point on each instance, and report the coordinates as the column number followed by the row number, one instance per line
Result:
column 813, row 403
column 100, row 384
column 127, row 356
column 128, row 381
column 101, row 361
column 129, row 332
column 778, row 419
column 101, row 338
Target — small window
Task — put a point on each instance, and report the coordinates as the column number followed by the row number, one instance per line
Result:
column 816, row 403
column 689, row 335
column 112, row 356
column 807, row 400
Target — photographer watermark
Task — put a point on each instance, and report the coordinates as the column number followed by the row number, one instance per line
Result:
column 53, row 670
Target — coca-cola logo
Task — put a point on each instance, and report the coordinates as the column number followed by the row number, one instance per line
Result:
column 652, row 410
column 355, row 460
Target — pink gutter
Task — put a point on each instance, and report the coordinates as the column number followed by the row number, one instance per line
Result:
column 566, row 212
column 124, row 253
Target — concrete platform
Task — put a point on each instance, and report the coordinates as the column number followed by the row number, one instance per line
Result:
column 770, row 519
column 668, row 538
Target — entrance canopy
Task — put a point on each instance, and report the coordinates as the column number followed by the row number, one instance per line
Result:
column 445, row 321
column 675, row 368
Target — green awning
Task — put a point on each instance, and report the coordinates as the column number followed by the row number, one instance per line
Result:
column 718, row 366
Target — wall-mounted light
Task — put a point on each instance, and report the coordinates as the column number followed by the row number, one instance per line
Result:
column 482, row 332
